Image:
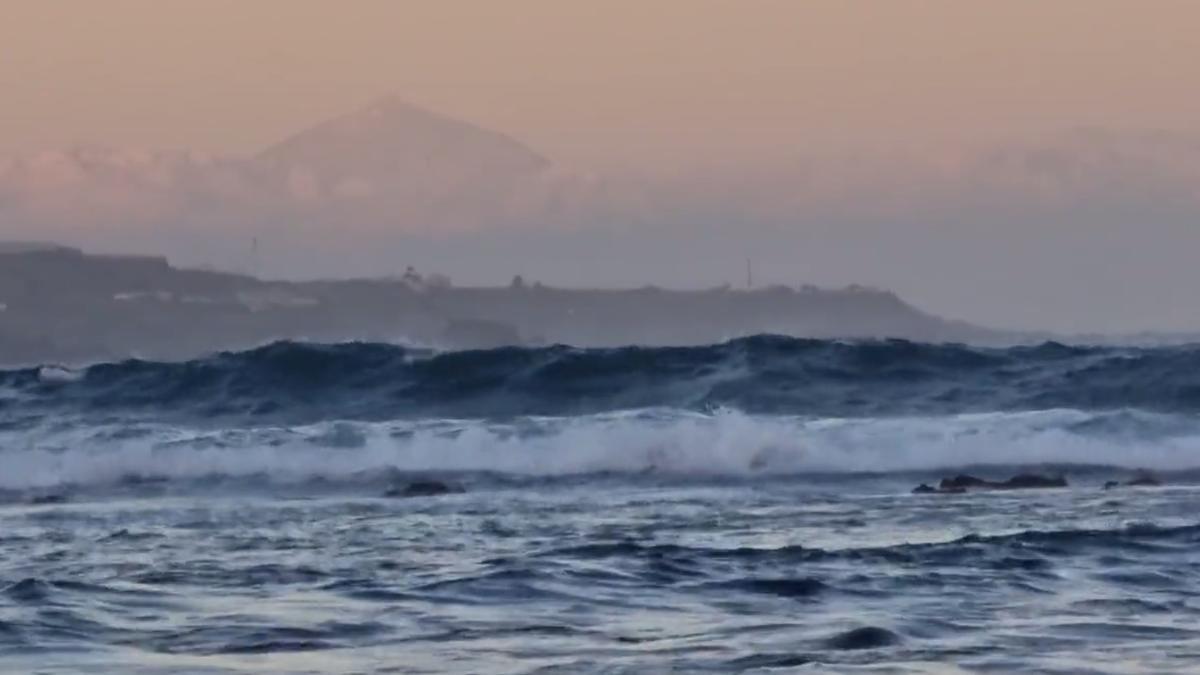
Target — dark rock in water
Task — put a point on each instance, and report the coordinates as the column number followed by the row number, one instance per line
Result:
column 424, row 488
column 1111, row 485
column 788, row 588
column 39, row 500
column 867, row 637
column 926, row 489
column 28, row 590
column 963, row 482
column 757, row 662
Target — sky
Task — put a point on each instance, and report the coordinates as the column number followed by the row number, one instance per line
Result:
column 1030, row 164
column 662, row 82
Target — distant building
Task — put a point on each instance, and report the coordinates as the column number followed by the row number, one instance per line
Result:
column 413, row 280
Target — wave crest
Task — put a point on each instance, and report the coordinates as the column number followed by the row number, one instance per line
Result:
column 296, row 382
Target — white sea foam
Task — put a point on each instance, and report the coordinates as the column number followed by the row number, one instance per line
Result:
column 722, row 443
column 59, row 374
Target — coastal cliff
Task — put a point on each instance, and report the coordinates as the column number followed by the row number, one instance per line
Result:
column 61, row 305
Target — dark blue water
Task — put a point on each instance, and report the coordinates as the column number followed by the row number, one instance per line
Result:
column 744, row 507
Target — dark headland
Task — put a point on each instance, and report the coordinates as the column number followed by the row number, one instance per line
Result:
column 61, row 305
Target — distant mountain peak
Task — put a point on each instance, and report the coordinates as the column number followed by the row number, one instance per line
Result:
column 395, row 104
column 392, row 136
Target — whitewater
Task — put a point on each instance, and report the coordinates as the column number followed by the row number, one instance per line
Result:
column 740, row 507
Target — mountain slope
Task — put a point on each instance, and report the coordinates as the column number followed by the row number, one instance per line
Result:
column 392, row 138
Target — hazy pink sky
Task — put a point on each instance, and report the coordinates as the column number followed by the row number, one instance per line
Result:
column 1016, row 162
column 657, row 83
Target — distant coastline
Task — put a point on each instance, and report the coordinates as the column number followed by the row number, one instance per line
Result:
column 62, row 305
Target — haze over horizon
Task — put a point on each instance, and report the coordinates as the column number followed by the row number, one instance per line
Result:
column 1022, row 166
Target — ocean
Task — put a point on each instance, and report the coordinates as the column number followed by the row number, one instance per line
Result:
column 740, row 507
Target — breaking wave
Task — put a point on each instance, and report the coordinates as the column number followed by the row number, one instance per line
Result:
column 763, row 406
column 660, row 443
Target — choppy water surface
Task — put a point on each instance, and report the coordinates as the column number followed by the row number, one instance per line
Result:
column 732, row 521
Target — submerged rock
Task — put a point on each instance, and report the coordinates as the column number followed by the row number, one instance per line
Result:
column 867, row 637
column 964, row 482
column 926, row 489
column 424, row 488
column 140, row 479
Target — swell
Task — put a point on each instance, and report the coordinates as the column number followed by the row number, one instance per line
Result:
column 1140, row 538
column 296, row 382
